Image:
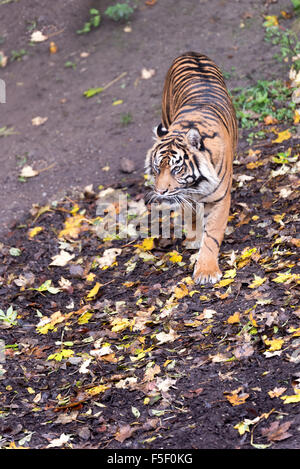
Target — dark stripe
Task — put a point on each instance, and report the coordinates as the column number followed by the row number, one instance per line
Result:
column 211, row 237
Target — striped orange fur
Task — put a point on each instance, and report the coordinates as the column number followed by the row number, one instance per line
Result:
column 191, row 160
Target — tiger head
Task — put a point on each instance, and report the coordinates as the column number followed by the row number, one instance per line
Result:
column 180, row 166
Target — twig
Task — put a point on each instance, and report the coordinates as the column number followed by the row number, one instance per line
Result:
column 114, row 81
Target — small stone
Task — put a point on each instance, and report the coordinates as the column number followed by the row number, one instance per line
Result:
column 76, row 270
column 127, row 165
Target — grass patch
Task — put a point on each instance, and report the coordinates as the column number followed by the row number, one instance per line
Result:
column 266, row 98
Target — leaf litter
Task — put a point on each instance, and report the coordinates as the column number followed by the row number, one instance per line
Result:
column 117, row 332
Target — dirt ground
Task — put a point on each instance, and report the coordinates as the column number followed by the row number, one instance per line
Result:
column 82, row 136
column 148, row 360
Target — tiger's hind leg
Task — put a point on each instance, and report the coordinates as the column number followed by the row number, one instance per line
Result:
column 207, row 268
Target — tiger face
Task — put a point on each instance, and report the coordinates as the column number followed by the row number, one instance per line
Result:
column 180, row 167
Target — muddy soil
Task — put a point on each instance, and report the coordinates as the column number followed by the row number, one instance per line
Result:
column 82, row 136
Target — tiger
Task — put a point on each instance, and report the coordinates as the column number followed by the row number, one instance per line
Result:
column 191, row 161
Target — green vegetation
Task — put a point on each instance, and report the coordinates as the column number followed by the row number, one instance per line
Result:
column 126, row 118
column 10, row 317
column 117, row 12
column 296, row 5
column 93, row 22
column 120, row 11
column 266, row 98
column 92, row 92
column 18, row 54
column 70, row 64
column 6, row 131
column 288, row 42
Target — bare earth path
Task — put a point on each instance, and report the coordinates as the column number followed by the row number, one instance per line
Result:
column 81, row 136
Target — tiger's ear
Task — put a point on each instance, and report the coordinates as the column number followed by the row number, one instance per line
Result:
column 194, row 138
column 160, row 131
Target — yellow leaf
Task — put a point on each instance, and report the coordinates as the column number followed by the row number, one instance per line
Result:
column 52, row 48
column 181, row 291
column 291, row 399
column 58, row 356
column 84, row 319
column 281, row 136
column 117, row 102
column 97, row 389
column 93, row 292
column 90, row 277
column 34, row 231
column 231, row 273
column 254, row 164
column 224, row 282
column 279, row 217
column 234, row 318
column 271, row 20
column 295, row 332
column 252, row 320
column 235, row 399
column 257, row 281
column 286, row 277
column 296, row 117
column 174, row 257
column 49, row 323
column 73, row 226
column 193, row 292
column 147, row 244
column 120, row 324
column 242, row 427
column 195, row 323
column 274, row 344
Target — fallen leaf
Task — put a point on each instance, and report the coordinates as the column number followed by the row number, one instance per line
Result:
column 62, row 440
column 274, row 344
column 94, row 291
column 34, row 231
column 61, row 259
column 28, row 172
column 3, row 59
column 38, row 36
column 277, row 432
column 282, row 136
column 147, row 73
column 147, row 244
column 108, row 258
column 257, row 281
column 163, row 337
column 52, row 47
column 174, row 257
column 124, row 432
column 235, row 398
column 181, row 291
column 36, row 121
column 234, row 318
column 291, row 399
column 276, row 392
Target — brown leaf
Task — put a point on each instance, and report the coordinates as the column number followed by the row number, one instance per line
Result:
column 124, row 432
column 277, row 432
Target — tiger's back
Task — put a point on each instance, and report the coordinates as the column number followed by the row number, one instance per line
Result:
column 195, row 91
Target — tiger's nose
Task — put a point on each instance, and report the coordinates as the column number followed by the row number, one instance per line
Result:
column 162, row 191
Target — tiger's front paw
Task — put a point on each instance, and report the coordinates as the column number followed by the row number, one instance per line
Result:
column 206, row 273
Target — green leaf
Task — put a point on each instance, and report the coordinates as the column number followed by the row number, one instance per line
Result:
column 15, row 252
column 47, row 286
column 135, row 412
column 92, row 92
